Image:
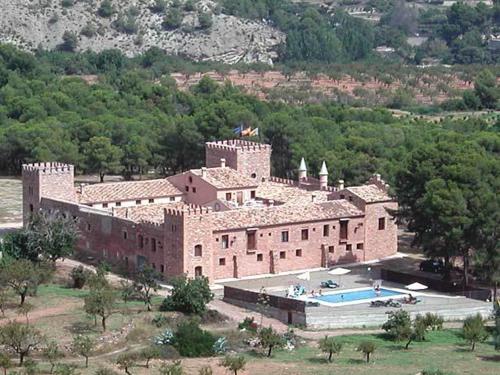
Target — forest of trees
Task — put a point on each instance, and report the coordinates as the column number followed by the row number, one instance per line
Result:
column 133, row 120
column 457, row 35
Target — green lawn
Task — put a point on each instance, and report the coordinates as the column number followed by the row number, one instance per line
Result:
column 444, row 350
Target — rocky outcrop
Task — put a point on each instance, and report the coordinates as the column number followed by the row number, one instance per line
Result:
column 42, row 23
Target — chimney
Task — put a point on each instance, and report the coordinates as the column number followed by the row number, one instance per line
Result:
column 223, row 162
column 323, row 177
column 203, row 172
column 302, row 170
column 341, row 184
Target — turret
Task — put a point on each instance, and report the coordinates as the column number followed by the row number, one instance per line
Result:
column 302, row 170
column 323, row 176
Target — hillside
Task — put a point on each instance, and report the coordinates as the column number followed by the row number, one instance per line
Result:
column 135, row 25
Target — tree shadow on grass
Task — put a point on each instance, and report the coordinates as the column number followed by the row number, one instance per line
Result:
column 319, row 361
column 463, row 349
column 257, row 354
column 491, row 358
column 355, row 361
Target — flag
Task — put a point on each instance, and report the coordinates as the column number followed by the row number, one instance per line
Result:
column 254, row 133
column 246, row 132
column 238, row 130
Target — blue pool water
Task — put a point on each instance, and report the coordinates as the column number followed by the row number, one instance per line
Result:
column 357, row 295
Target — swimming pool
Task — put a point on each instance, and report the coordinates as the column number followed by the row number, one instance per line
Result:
column 357, row 295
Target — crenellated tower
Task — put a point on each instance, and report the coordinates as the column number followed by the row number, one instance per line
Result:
column 252, row 159
column 51, row 180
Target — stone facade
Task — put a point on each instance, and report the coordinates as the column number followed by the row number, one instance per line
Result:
column 229, row 220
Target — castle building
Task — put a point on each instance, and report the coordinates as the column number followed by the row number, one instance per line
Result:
column 230, row 219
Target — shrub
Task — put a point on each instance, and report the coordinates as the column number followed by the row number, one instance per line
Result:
column 67, row 3
column 205, row 20
column 367, row 348
column 205, row 370
column 248, row 324
column 234, row 363
column 188, row 295
column 126, row 360
column 125, row 24
column 70, row 41
column 88, row 30
column 106, row 9
column 474, row 330
column 79, row 275
column 330, row 345
column 159, row 320
column 159, row 6
column 173, row 19
column 172, row 369
column 434, row 321
column 270, row 339
column 191, row 341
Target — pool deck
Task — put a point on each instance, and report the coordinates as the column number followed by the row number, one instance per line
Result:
column 359, row 313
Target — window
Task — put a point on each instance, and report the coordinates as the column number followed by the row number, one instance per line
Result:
column 190, row 179
column 118, row 204
column 198, row 271
column 222, row 261
column 348, row 247
column 304, row 234
column 172, row 199
column 326, row 230
column 186, row 188
column 259, row 257
column 284, row 236
column 251, row 241
column 125, row 235
column 381, row 223
column 105, row 205
column 252, row 194
column 298, row 252
column 153, row 245
column 88, row 227
column 141, row 241
column 162, row 268
column 151, row 200
column 342, row 196
column 31, row 208
column 343, row 229
column 282, row 255
column 193, row 189
column 138, row 201
column 225, row 241
column 253, row 175
column 228, row 196
column 331, row 249
column 197, row 251
column 359, row 246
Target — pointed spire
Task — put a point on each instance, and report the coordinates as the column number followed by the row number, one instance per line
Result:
column 302, row 166
column 323, row 171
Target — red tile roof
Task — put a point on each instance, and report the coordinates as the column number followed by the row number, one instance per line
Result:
column 123, row 191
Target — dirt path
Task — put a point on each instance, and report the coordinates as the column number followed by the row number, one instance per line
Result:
column 42, row 313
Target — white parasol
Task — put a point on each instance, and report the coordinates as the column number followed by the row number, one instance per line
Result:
column 416, row 286
column 339, row 272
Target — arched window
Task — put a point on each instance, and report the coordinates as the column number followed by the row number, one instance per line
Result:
column 198, row 271
column 197, row 251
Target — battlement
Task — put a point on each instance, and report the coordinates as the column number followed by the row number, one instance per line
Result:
column 283, row 181
column 188, row 210
column 376, row 179
column 47, row 168
column 237, row 145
